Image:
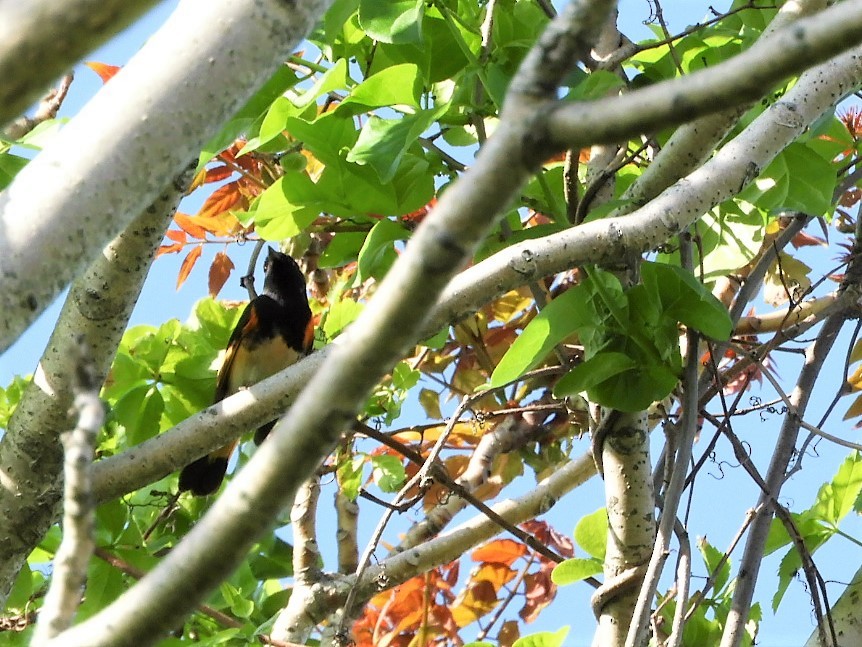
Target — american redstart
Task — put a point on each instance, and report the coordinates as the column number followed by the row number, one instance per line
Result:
column 274, row 331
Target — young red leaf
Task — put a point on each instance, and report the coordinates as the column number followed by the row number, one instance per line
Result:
column 188, row 263
column 219, row 272
column 105, row 71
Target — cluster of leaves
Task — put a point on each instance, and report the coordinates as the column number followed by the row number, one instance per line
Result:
column 427, row 605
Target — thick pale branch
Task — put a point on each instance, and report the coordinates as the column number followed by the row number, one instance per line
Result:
column 88, row 184
column 40, row 40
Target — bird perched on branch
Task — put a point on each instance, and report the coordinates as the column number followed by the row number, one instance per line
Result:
column 274, row 331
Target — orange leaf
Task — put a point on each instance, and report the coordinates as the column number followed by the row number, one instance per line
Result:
column 500, row 551
column 188, row 263
column 105, row 71
column 473, row 603
column 224, row 224
column 495, row 573
column 169, row 249
column 177, row 235
column 219, row 272
column 188, row 225
column 223, row 198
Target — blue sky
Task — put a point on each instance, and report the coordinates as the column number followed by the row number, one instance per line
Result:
column 721, row 495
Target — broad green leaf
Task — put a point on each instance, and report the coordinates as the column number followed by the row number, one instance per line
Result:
column 631, row 390
column 399, row 85
column 591, row 533
column 383, row 142
column 543, row 639
column 342, row 249
column 388, row 472
column 593, row 372
column 575, row 570
column 712, row 557
column 272, row 560
column 378, row 252
column 836, row 499
column 685, row 299
column 812, row 181
column 392, row 21
column 9, row 166
column 559, row 319
column 595, row 85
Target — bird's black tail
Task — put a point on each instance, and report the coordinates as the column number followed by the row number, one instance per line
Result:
column 204, row 476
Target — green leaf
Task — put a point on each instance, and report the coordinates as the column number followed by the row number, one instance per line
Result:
column 392, row 21
column 594, row 371
column 595, row 85
column 350, row 476
column 287, row 207
column 591, row 533
column 273, row 560
column 685, row 299
column 543, row 639
column 340, row 314
column 378, row 252
column 382, row 143
column 9, row 166
column 399, row 85
column 712, row 557
column 388, row 472
column 635, row 390
column 836, row 499
column 559, row 319
column 342, row 249
column 575, row 570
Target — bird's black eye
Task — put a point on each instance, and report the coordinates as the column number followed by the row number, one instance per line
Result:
column 266, row 266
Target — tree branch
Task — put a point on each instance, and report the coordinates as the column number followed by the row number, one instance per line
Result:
column 76, row 547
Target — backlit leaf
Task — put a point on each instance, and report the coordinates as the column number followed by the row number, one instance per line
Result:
column 219, row 272
column 106, row 72
column 188, row 263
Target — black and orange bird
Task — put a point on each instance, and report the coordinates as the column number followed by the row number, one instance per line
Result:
column 274, row 331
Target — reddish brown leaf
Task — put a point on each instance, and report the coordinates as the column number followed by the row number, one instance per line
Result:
column 105, row 71
column 188, row 225
column 217, row 174
column 806, row 240
column 509, row 633
column 188, row 263
column 540, row 592
column 222, row 199
column 177, row 235
column 500, row 551
column 219, row 272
